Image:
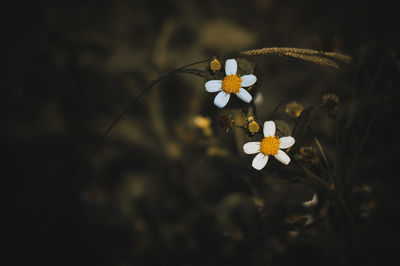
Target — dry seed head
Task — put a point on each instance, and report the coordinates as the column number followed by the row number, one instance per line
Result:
column 315, row 56
column 293, row 109
column 215, row 65
column 309, row 154
column 330, row 103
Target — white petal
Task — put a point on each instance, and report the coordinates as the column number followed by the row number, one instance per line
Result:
column 221, row 99
column 230, row 67
column 213, row 85
column 282, row 157
column 251, row 147
column 286, row 142
column 248, row 80
column 311, row 202
column 269, row 129
column 244, row 95
column 259, row 161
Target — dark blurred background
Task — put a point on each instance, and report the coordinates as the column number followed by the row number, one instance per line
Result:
column 168, row 186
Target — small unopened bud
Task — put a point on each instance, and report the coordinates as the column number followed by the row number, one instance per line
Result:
column 215, row 65
column 252, row 125
column 330, row 104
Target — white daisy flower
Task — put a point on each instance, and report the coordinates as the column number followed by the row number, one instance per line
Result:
column 270, row 145
column 232, row 83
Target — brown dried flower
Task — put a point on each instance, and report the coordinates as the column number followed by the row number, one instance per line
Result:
column 330, row 103
column 293, row 109
column 309, row 154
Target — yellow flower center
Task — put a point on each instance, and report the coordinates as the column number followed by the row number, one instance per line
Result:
column 231, row 84
column 270, row 145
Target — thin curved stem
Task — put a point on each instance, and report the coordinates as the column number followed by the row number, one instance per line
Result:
column 101, row 139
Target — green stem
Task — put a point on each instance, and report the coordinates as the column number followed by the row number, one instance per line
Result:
column 284, row 100
column 337, row 154
column 313, row 177
column 329, row 170
column 362, row 144
column 376, row 75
